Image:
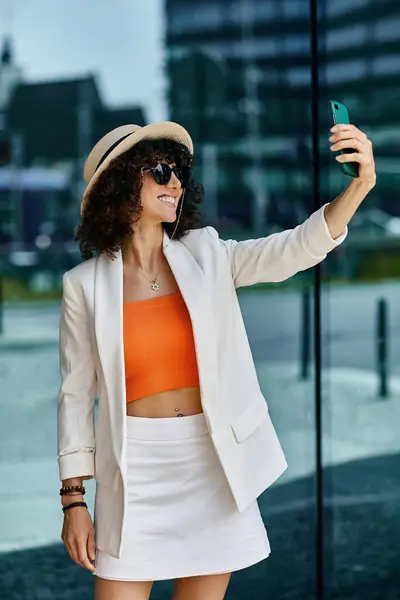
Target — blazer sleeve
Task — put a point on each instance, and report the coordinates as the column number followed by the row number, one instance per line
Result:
column 76, row 439
column 280, row 255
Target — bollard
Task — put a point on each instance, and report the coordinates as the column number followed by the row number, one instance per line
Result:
column 382, row 347
column 1, row 304
column 305, row 337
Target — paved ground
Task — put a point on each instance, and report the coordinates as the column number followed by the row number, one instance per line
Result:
column 361, row 448
column 273, row 322
column 361, row 454
column 361, row 554
column 356, row 424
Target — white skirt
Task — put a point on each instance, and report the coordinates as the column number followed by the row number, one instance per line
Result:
column 181, row 518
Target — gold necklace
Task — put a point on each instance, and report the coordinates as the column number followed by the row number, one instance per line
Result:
column 153, row 282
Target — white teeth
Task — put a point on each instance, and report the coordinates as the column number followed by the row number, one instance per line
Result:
column 170, row 200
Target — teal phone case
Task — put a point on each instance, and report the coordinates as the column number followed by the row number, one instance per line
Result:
column 340, row 115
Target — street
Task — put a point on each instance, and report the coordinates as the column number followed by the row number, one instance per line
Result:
column 273, row 323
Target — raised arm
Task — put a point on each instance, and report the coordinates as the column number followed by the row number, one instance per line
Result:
column 280, row 255
column 76, row 440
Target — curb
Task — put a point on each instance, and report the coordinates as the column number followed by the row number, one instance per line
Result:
column 27, row 344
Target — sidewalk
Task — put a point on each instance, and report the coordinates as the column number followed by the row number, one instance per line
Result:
column 28, row 340
column 30, row 507
column 26, row 328
column 357, row 425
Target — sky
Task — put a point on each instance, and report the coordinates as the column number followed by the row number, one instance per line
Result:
column 120, row 40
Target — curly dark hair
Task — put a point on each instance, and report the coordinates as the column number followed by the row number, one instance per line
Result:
column 113, row 203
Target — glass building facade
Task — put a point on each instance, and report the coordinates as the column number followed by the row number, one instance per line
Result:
column 251, row 80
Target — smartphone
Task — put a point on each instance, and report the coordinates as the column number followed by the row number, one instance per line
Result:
column 339, row 114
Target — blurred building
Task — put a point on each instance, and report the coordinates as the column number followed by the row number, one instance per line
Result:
column 47, row 128
column 240, row 80
column 61, row 120
column 58, row 121
column 10, row 76
column 239, row 59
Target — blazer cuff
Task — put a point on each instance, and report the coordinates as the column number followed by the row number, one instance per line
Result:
column 76, row 464
column 318, row 236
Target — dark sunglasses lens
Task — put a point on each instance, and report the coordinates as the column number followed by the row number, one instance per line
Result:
column 182, row 174
column 185, row 176
column 162, row 174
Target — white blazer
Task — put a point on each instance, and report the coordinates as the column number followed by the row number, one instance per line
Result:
column 208, row 270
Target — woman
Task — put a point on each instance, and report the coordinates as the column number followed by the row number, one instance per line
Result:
column 150, row 323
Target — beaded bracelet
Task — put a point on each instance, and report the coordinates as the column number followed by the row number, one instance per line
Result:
column 72, row 488
column 73, row 504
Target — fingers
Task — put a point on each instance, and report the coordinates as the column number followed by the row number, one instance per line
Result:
column 347, row 129
column 356, row 157
column 81, row 552
column 91, row 546
column 80, row 546
column 78, row 553
column 348, row 132
column 348, row 143
column 350, row 137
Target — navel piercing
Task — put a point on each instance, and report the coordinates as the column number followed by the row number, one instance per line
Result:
column 180, row 414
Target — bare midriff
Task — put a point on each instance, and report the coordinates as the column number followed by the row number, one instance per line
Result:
column 185, row 401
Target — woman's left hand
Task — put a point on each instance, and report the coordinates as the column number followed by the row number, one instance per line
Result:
column 349, row 136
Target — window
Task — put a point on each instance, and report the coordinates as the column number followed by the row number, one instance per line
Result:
column 385, row 65
column 296, row 8
column 252, row 48
column 387, row 29
column 250, row 11
column 347, row 36
column 297, row 44
column 299, row 76
column 346, row 71
column 201, row 16
column 339, row 7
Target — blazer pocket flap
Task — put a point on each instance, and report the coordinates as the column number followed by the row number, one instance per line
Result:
column 249, row 420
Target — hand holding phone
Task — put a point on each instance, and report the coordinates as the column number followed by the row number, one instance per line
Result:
column 339, row 114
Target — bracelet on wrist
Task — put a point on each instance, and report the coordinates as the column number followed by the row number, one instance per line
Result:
column 67, row 489
column 72, row 505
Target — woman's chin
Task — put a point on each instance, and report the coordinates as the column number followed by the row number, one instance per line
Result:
column 169, row 216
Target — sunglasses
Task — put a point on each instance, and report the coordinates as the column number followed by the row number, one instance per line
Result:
column 162, row 173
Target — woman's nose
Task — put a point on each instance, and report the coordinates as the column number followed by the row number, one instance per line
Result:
column 174, row 181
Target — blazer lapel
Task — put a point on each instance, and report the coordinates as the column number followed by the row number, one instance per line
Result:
column 109, row 335
column 191, row 282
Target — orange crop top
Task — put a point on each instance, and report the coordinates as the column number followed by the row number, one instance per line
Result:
column 159, row 347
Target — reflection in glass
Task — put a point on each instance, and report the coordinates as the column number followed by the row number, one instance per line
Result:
column 361, row 385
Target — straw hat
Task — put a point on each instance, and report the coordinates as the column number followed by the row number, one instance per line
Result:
column 121, row 139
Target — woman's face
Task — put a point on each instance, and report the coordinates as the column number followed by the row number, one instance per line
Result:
column 160, row 202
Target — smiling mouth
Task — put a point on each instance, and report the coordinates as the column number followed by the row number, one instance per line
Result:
column 169, row 200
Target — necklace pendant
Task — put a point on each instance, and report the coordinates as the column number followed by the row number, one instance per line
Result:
column 154, row 286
